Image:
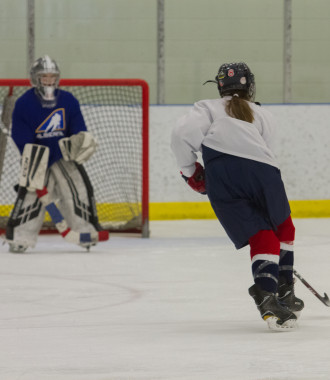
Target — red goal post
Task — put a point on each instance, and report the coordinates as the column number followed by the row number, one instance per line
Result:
column 116, row 111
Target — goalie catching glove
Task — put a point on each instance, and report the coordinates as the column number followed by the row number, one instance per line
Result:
column 197, row 180
column 79, row 147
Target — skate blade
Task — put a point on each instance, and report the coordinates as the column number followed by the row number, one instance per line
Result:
column 289, row 325
column 297, row 313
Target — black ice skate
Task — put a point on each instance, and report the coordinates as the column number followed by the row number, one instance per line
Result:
column 277, row 316
column 287, row 297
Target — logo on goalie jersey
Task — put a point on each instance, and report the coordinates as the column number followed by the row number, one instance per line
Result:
column 53, row 125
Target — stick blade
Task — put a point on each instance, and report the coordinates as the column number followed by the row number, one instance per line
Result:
column 326, row 300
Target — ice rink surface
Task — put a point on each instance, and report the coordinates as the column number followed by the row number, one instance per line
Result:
column 172, row 307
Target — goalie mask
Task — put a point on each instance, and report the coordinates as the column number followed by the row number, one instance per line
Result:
column 235, row 76
column 45, row 77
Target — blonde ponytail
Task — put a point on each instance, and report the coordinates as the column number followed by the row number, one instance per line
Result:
column 238, row 107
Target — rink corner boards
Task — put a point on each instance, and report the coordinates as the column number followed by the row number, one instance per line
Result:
column 203, row 210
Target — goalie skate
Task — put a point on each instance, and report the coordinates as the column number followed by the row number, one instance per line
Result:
column 17, row 248
column 278, row 317
column 14, row 247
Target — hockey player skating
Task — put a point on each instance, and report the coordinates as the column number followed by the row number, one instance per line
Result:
column 244, row 186
column 50, row 132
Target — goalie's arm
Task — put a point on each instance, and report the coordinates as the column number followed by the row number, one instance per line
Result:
column 21, row 131
column 76, row 122
column 79, row 147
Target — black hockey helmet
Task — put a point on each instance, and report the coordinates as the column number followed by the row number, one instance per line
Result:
column 235, row 76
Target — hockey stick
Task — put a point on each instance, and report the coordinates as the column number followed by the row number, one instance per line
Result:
column 324, row 299
column 7, row 110
column 3, row 144
column 82, row 239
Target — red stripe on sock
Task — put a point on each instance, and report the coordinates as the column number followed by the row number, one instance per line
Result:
column 286, row 231
column 264, row 242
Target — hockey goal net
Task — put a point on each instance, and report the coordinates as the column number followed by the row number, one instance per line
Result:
column 116, row 112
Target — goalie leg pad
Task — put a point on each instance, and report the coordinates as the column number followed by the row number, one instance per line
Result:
column 85, row 238
column 25, row 219
column 75, row 196
column 82, row 239
column 94, row 237
column 34, row 166
column 103, row 235
column 54, row 212
column 73, row 237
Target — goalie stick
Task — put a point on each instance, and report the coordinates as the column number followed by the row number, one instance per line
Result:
column 324, row 299
column 82, row 239
column 7, row 110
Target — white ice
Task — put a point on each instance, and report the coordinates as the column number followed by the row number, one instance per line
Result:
column 172, row 307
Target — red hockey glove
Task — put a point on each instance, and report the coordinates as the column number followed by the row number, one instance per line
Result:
column 197, row 180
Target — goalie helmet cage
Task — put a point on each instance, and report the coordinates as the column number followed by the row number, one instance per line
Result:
column 116, row 111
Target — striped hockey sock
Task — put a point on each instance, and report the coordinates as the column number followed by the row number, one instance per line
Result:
column 265, row 249
column 286, row 265
column 265, row 272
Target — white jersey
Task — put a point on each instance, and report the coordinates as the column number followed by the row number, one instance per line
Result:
column 208, row 124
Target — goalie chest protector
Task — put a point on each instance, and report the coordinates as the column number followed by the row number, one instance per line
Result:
column 35, row 124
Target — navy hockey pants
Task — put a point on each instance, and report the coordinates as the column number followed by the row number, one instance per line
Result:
column 246, row 195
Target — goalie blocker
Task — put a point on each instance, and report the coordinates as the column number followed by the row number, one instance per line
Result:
column 68, row 185
column 34, row 166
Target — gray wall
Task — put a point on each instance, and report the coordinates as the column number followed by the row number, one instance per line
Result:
column 118, row 39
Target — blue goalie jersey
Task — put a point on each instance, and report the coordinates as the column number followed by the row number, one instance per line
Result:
column 35, row 124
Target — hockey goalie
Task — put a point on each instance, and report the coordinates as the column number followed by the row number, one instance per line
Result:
column 51, row 135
